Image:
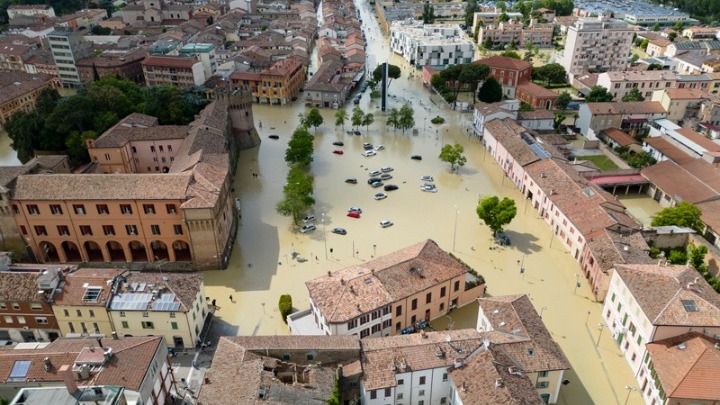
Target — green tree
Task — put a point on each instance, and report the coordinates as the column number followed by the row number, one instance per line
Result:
column 490, row 91
column 335, row 397
column 368, row 119
column 496, row 213
column 300, row 148
column 394, row 72
column 406, row 117
column 357, row 117
column 696, row 257
column 285, row 306
column 672, row 36
column 677, row 257
column 453, row 154
column 428, row 14
column 24, row 129
column 633, row 95
column 297, row 195
column 47, row 101
column 512, row 45
column 655, row 66
column 528, row 57
column 503, row 17
column 471, row 7
column 598, row 94
column 683, row 214
column 551, row 73
column 76, row 146
column 340, row 118
column 488, row 42
column 511, row 54
column 312, row 119
column 644, row 44
column 656, row 27
column 393, row 118
column 501, row 5
column 375, row 94
column 678, row 27
column 563, row 100
column 634, row 58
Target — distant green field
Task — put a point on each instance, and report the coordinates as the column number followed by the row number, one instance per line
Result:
column 602, row 161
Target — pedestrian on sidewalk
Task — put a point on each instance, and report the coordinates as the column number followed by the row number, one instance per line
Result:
column 231, row 299
column 213, row 303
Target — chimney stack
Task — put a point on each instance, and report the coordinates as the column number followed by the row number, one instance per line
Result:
column 69, row 379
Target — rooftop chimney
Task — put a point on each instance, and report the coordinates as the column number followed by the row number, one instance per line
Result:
column 48, row 364
column 69, row 379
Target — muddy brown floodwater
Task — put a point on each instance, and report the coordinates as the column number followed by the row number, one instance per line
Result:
column 261, row 266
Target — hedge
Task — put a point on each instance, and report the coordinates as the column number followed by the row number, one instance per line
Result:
column 285, row 306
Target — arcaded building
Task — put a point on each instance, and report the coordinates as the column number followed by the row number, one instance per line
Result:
column 160, row 193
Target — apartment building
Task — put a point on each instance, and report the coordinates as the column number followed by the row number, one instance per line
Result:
column 113, row 63
column 18, row 10
column 510, row 72
column 171, row 305
column 597, row 45
column 12, row 56
column 175, row 71
column 81, row 307
column 688, row 141
column 20, row 90
column 633, row 117
column 486, row 112
column 513, row 31
column 205, row 53
column 138, row 364
column 512, row 147
column 653, row 302
column 681, row 104
column 67, row 48
column 26, row 299
column 695, row 33
column 679, row 364
column 149, row 13
column 430, row 44
column 622, row 82
column 391, row 295
column 514, row 315
column 485, row 18
column 276, row 85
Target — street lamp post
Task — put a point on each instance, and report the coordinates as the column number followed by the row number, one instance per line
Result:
column 577, row 283
column 522, row 265
column 587, row 318
column 322, row 219
column 630, row 391
column 602, row 327
column 455, row 228
column 542, row 310
column 374, row 250
column 424, row 125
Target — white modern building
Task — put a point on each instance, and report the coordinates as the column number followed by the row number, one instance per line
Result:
column 67, row 48
column 597, row 45
column 651, row 302
column 430, row 44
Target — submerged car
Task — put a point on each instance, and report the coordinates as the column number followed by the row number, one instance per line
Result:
column 377, row 184
column 391, row 187
column 338, row 143
column 369, row 153
column 385, row 176
column 309, row 218
column 380, row 196
column 307, row 228
column 372, row 180
column 353, row 214
column 338, row 152
column 367, row 146
column 356, row 209
column 502, row 239
column 386, row 169
column 351, row 181
column 427, row 178
column 374, row 173
column 276, row 137
column 339, row 231
column 430, row 188
column 416, row 157
column 385, row 223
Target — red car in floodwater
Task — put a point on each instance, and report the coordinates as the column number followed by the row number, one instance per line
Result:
column 353, row 214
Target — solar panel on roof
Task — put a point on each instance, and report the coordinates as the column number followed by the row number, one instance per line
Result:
column 142, row 287
column 133, row 286
column 19, row 370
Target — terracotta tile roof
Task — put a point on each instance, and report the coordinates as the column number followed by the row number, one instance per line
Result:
column 344, row 294
column 16, row 84
column 710, row 213
column 14, row 49
column 675, row 93
column 127, row 367
column 660, row 289
column 635, row 76
column 167, row 61
column 690, row 372
column 666, row 148
column 609, row 248
column 535, row 115
column 507, row 132
column 486, row 379
column 699, row 139
column 661, row 42
column 239, row 376
column 536, row 90
column 629, row 107
column 339, row 342
column 19, row 286
column 675, row 181
column 383, row 357
column 486, row 109
column 705, row 172
column 587, row 206
column 118, row 136
column 53, row 187
column 620, row 137
column 73, row 290
column 515, row 316
column 504, row 62
column 185, row 286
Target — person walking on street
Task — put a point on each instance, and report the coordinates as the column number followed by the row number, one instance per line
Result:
column 231, row 299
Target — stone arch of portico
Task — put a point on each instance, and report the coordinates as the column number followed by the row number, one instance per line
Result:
column 48, row 252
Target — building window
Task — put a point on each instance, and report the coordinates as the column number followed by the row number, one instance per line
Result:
column 457, row 286
column 56, row 209
column 152, row 149
column 23, row 230
column 147, row 325
column 133, row 149
column 397, row 326
column 160, row 148
column 65, row 312
column 178, row 229
column 155, row 229
column 107, row 156
column 145, row 314
column 422, row 380
column 421, row 392
column 125, row 325
column 33, row 209
column 15, row 208
column 78, row 312
column 109, row 229
column 170, row 208
column 400, row 395
column 542, row 384
column 126, row 209
column 103, row 209
column 85, row 230
column 40, row 230
column 373, row 394
column 92, row 313
column 442, row 292
column 122, row 314
column 36, row 306
column 63, row 230
column 79, row 209
column 388, row 392
column 413, row 305
column 149, row 208
column 71, row 327
column 398, row 310
column 428, row 298
column 8, row 319
column 445, row 377
column 543, row 373
column 131, row 229
column 169, row 148
column 174, row 325
column 21, row 320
